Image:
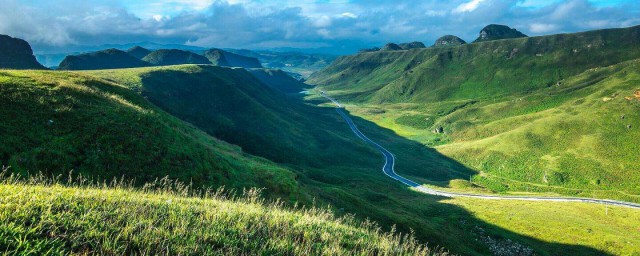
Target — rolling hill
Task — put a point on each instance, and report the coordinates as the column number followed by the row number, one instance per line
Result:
column 105, row 59
column 279, row 80
column 174, row 57
column 58, row 122
column 16, row 53
column 227, row 59
column 138, row 52
column 548, row 114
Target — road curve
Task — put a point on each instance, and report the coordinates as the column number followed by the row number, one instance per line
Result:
column 389, row 164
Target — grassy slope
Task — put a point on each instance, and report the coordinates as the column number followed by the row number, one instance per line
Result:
column 479, row 70
column 489, row 95
column 279, row 80
column 57, row 122
column 56, row 220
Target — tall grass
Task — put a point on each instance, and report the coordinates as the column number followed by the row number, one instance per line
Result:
column 42, row 215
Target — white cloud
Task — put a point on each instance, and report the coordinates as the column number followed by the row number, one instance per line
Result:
column 540, row 28
column 468, row 6
column 349, row 15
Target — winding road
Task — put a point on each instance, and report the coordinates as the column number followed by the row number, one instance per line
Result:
column 389, row 164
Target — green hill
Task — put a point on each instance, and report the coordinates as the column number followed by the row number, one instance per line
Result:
column 56, row 220
column 301, row 63
column 227, row 59
column 540, row 114
column 279, row 80
column 138, row 52
column 106, row 59
column 57, row 122
column 174, row 57
column 16, row 53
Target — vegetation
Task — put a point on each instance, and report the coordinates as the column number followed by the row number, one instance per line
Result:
column 138, row 52
column 303, row 64
column 106, row 59
column 227, row 59
column 43, row 218
column 543, row 114
column 279, row 80
column 497, row 32
column 58, row 122
column 166, row 57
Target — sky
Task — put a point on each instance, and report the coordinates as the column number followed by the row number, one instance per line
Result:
column 343, row 26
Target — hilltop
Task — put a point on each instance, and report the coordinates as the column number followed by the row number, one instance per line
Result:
column 448, row 40
column 497, row 32
column 105, row 59
column 16, row 53
column 227, row 59
column 138, row 52
column 174, row 57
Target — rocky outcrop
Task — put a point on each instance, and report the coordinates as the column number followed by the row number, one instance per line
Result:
column 497, row 32
column 16, row 53
column 448, row 40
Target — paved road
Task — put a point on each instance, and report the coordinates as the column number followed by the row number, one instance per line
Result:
column 389, row 163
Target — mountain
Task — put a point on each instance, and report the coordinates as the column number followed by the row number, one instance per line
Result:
column 566, row 99
column 227, row 59
column 138, row 52
column 448, row 40
column 279, row 80
column 412, row 45
column 497, row 32
column 391, row 47
column 174, row 57
column 105, row 59
column 64, row 121
column 17, row 54
column 303, row 64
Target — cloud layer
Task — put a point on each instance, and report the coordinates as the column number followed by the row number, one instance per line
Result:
column 340, row 24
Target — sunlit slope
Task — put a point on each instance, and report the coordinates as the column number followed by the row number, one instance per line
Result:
column 55, row 220
column 478, row 70
column 61, row 122
column 581, row 134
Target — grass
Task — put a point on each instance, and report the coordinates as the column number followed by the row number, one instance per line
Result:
column 45, row 218
column 611, row 229
column 57, row 122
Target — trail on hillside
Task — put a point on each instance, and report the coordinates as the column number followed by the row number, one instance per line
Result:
column 388, row 169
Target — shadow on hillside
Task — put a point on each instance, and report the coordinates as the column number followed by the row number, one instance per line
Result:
column 370, row 194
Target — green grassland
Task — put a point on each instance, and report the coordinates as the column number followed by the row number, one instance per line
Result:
column 52, row 219
column 542, row 114
column 57, row 122
column 345, row 175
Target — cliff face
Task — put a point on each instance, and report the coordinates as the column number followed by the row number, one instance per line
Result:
column 17, row 54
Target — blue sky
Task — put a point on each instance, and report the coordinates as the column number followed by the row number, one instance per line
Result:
column 343, row 25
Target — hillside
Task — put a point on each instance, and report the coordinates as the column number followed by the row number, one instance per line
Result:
column 301, row 63
column 16, row 53
column 166, row 57
column 571, row 113
column 227, row 59
column 105, row 59
column 58, row 122
column 124, row 221
column 138, row 52
column 279, row 80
